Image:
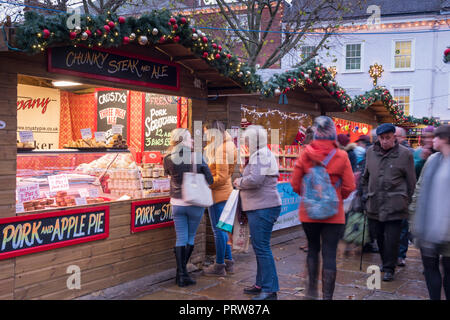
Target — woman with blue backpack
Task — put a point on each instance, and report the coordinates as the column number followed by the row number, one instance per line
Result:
column 323, row 177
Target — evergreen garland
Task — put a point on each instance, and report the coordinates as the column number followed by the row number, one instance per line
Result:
column 447, row 55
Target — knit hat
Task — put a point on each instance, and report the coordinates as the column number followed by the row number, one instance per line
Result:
column 385, row 127
column 324, row 128
column 364, row 138
column 343, row 139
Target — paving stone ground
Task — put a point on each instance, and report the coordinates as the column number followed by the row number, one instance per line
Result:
column 290, row 260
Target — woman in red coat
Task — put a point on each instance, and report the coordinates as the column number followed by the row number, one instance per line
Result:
column 329, row 230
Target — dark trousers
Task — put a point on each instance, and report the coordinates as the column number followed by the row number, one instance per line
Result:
column 404, row 239
column 388, row 240
column 330, row 234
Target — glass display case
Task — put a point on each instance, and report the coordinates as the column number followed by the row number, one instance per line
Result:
column 65, row 178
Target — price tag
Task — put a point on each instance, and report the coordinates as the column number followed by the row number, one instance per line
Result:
column 83, row 193
column 19, row 207
column 26, row 136
column 93, row 193
column 58, row 183
column 28, row 192
column 100, row 136
column 86, row 133
column 161, row 184
column 80, row 201
column 117, row 129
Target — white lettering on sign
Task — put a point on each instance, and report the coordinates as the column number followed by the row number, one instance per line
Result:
column 26, row 136
column 92, row 58
column 112, row 97
column 162, row 120
column 58, row 183
column 28, row 192
column 86, row 133
column 19, row 208
column 111, row 115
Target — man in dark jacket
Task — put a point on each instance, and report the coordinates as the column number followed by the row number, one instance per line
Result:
column 389, row 180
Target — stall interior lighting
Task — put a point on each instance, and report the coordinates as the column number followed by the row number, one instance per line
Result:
column 65, row 83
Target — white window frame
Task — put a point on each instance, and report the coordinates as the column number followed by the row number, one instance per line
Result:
column 301, row 51
column 344, row 63
column 410, row 87
column 413, row 55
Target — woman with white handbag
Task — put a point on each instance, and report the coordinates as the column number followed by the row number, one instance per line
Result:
column 188, row 182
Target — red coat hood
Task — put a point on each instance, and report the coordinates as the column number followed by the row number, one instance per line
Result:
column 317, row 150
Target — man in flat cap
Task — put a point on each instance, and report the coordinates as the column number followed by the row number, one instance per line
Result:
column 388, row 181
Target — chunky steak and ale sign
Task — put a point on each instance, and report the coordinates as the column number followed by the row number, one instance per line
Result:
column 111, row 65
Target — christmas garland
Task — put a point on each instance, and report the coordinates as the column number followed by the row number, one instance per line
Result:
column 39, row 32
column 447, row 55
column 380, row 93
column 304, row 76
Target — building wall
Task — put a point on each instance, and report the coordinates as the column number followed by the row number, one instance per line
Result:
column 429, row 78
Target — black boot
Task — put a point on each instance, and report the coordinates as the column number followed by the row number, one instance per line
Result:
column 189, row 249
column 313, row 273
column 328, row 282
column 182, row 278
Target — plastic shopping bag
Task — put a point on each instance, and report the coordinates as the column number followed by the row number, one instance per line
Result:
column 228, row 214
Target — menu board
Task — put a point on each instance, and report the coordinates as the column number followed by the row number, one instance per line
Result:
column 151, row 214
column 112, row 112
column 161, row 117
column 33, row 233
column 113, row 65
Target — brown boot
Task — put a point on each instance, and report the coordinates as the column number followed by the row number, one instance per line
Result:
column 215, row 270
column 229, row 266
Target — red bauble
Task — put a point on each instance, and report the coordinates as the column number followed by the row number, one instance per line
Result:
column 205, row 39
column 162, row 39
column 121, row 20
column 46, row 33
column 99, row 32
column 214, row 46
column 447, row 51
column 175, row 27
column 229, row 56
column 289, row 80
column 183, row 20
column 111, row 24
column 193, row 30
column 89, row 33
column 172, row 21
column 295, row 80
column 126, row 40
column 220, row 48
column 72, row 35
column 217, row 56
column 205, row 54
column 176, row 39
column 107, row 28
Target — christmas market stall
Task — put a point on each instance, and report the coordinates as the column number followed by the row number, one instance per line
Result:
column 85, row 117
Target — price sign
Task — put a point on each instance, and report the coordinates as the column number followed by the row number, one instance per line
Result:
column 28, row 192
column 93, row 193
column 100, row 136
column 83, row 193
column 19, row 208
column 80, row 201
column 161, row 184
column 117, row 129
column 58, row 183
column 26, row 136
column 86, row 133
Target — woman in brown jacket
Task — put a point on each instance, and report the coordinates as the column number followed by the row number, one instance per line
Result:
column 221, row 156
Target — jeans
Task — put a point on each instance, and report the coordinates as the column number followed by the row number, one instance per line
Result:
column 330, row 233
column 404, row 239
column 388, row 239
column 223, row 250
column 186, row 219
column 261, row 223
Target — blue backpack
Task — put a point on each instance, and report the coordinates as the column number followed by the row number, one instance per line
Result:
column 320, row 198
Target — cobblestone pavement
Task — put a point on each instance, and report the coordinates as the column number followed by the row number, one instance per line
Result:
column 290, row 259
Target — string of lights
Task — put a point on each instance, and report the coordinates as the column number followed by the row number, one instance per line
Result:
column 283, row 115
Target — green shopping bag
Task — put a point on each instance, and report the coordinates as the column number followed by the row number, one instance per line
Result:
column 354, row 228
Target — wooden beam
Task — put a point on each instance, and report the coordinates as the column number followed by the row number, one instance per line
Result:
column 185, row 58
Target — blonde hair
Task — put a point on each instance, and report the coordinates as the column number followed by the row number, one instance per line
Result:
column 180, row 136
